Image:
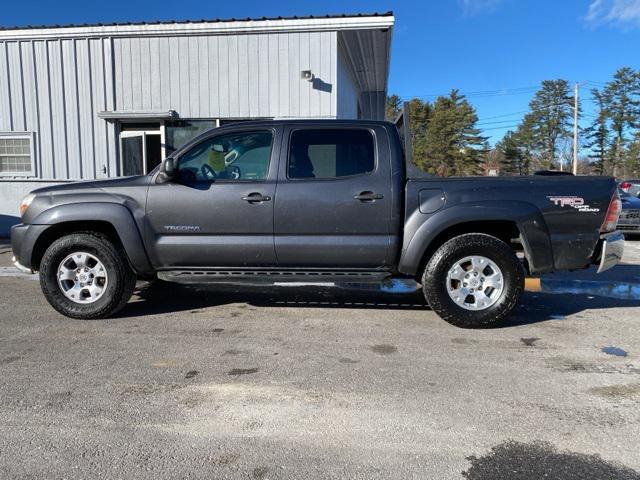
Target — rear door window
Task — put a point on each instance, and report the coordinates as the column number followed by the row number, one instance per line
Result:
column 330, row 153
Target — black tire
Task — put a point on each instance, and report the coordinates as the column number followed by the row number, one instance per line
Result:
column 434, row 280
column 122, row 279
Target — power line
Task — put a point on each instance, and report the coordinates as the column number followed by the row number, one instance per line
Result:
column 480, row 123
column 498, row 92
column 506, row 115
column 499, row 128
column 482, row 93
column 546, row 107
column 503, row 94
column 596, row 83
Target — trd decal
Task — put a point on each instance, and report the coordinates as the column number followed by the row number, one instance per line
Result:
column 575, row 202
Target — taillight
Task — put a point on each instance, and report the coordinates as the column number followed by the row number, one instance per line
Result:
column 613, row 212
column 625, row 186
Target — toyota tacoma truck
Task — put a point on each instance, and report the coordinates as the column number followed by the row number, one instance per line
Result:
column 309, row 201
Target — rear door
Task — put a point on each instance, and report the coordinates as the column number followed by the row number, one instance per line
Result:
column 334, row 201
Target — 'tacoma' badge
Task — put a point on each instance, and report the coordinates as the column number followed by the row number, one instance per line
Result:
column 182, row 228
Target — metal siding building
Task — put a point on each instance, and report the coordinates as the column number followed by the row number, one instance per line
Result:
column 84, row 102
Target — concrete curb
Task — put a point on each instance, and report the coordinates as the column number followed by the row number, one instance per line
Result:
column 599, row 288
column 14, row 272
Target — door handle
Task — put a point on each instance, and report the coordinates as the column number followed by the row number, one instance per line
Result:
column 256, row 197
column 368, row 196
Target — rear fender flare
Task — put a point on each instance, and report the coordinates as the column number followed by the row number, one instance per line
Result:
column 420, row 231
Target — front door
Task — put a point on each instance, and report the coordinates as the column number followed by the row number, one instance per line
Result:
column 140, row 151
column 334, row 201
column 218, row 211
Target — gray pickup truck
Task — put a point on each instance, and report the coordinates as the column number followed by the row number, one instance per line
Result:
column 326, row 200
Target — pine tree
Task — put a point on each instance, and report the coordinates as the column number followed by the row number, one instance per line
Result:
column 598, row 136
column 525, row 139
column 444, row 136
column 452, row 142
column 632, row 158
column 420, row 113
column 622, row 99
column 393, row 107
column 511, row 158
column 551, row 114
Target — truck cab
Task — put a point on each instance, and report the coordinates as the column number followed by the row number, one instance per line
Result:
column 290, row 195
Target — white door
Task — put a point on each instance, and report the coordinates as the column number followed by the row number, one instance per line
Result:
column 140, row 151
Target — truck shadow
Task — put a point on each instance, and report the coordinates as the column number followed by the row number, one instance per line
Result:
column 162, row 297
column 157, row 298
column 545, row 307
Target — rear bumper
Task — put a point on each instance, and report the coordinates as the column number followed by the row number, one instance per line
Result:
column 611, row 249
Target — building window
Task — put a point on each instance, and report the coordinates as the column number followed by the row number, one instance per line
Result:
column 179, row 132
column 16, row 154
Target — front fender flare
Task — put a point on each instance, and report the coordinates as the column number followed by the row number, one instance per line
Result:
column 117, row 215
column 422, row 230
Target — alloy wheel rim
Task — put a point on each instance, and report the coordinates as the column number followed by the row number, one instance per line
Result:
column 82, row 277
column 475, row 283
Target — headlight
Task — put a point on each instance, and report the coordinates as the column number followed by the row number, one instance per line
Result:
column 26, row 201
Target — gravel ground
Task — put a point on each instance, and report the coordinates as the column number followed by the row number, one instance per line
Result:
column 304, row 383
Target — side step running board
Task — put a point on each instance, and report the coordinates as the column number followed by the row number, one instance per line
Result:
column 272, row 276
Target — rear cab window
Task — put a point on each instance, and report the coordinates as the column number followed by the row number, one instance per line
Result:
column 330, row 153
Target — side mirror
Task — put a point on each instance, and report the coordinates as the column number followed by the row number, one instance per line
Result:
column 169, row 167
column 168, row 170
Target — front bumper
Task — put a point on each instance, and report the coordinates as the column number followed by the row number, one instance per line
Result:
column 23, row 241
column 611, row 250
column 628, row 227
column 629, row 220
column 20, row 267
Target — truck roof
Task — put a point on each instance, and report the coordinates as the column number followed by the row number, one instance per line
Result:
column 307, row 121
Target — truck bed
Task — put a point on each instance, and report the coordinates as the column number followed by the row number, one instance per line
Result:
column 559, row 218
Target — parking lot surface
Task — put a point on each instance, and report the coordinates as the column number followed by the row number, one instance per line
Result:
column 319, row 382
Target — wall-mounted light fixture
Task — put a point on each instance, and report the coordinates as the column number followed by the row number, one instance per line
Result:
column 307, row 75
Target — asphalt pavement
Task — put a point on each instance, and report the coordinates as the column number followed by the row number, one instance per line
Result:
column 313, row 382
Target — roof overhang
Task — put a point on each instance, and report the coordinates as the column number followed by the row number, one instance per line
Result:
column 368, row 52
column 135, row 115
column 204, row 27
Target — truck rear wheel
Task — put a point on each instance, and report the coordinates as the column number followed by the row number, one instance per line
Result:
column 473, row 281
column 84, row 275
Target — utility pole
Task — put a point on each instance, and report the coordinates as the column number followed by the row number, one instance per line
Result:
column 575, row 128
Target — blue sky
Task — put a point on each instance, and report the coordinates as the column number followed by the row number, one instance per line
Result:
column 496, row 51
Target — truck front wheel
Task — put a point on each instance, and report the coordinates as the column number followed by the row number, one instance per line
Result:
column 84, row 275
column 473, row 281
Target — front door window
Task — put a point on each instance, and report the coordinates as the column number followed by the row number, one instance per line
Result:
column 231, row 156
